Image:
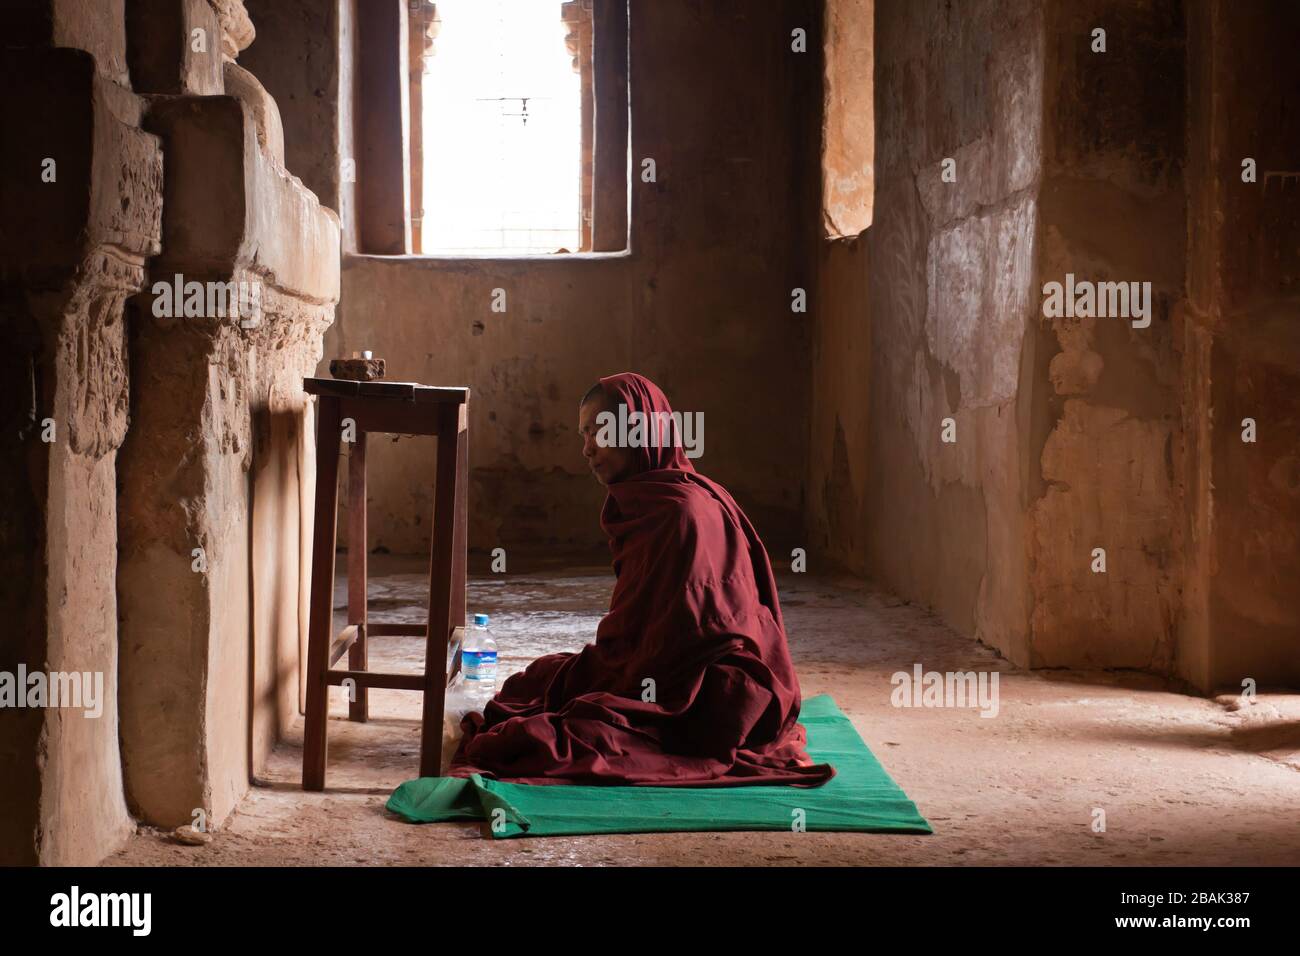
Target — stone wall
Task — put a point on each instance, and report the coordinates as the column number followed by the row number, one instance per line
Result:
column 1105, row 475
column 1072, row 434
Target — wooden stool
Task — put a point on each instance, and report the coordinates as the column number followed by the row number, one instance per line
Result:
column 383, row 407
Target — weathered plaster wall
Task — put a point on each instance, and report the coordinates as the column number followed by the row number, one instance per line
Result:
column 839, row 406
column 526, row 367
column 925, row 318
column 1112, row 179
column 1073, row 433
column 702, row 304
column 840, row 409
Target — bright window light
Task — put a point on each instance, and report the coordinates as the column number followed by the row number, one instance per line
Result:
column 502, row 131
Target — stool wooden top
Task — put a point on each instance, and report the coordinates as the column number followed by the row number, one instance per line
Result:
column 394, row 391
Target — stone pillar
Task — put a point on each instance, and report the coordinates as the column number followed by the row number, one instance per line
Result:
column 609, row 188
column 80, row 195
column 216, row 473
column 1241, row 346
column 383, row 129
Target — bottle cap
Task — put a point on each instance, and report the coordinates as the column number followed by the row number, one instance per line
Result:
column 480, row 620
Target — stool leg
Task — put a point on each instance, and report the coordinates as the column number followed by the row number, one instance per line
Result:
column 321, row 625
column 358, row 707
column 459, row 611
column 446, row 565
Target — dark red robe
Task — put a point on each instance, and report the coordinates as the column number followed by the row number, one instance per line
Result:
column 695, row 612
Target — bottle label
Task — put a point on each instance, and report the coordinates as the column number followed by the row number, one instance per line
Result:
column 479, row 665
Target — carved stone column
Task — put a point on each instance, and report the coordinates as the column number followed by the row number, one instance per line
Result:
column 80, row 197
column 217, row 472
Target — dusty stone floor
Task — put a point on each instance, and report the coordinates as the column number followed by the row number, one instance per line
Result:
column 1182, row 780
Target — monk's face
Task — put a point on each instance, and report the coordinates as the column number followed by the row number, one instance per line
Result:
column 608, row 463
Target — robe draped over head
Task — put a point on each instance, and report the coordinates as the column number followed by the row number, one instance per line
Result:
column 689, row 681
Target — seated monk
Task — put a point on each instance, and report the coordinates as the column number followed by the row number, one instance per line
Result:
column 689, row 681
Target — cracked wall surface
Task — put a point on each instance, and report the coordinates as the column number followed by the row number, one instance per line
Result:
column 1112, row 176
column 1074, row 435
column 924, row 319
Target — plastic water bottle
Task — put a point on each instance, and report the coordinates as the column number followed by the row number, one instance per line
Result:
column 478, row 662
column 455, row 704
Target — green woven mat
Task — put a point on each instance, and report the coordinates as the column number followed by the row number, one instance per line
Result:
column 861, row 797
